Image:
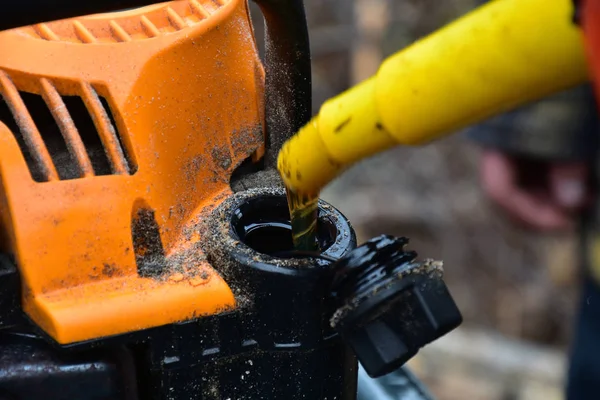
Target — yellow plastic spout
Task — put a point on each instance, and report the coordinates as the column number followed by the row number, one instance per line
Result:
column 502, row 55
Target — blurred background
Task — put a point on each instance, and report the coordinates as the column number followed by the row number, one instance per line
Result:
column 517, row 290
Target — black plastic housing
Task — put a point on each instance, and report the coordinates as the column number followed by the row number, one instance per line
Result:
column 389, row 305
column 31, row 369
column 278, row 344
column 10, row 294
column 285, row 302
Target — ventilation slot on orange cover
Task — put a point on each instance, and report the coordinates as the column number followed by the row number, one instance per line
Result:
column 64, row 137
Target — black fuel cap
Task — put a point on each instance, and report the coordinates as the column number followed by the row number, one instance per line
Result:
column 389, row 305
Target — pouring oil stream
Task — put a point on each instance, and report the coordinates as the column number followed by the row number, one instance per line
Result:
column 303, row 214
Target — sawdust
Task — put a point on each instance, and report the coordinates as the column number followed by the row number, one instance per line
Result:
column 111, row 270
column 290, row 101
column 432, row 268
column 147, row 243
column 189, row 263
column 193, row 167
column 221, row 157
column 262, row 179
column 247, row 140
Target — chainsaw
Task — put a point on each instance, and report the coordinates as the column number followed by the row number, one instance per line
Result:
column 145, row 243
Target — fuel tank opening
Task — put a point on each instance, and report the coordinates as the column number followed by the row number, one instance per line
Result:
column 251, row 228
column 263, row 224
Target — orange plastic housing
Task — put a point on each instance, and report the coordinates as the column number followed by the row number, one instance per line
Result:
column 174, row 94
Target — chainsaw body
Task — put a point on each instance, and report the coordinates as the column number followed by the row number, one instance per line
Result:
column 120, row 136
column 129, row 268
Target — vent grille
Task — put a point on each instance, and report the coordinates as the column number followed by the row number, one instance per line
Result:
column 64, row 137
column 167, row 18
